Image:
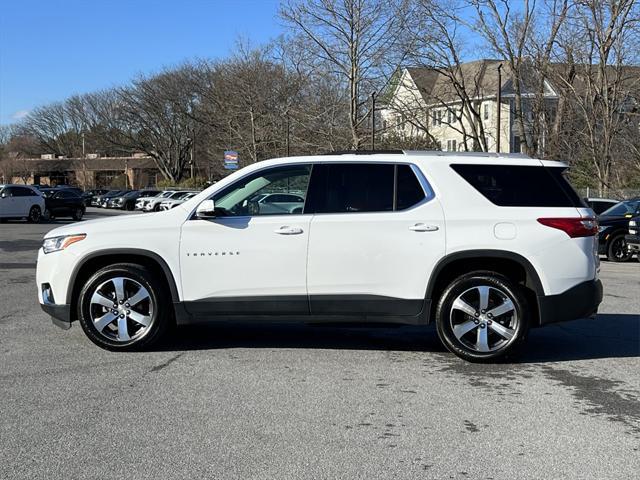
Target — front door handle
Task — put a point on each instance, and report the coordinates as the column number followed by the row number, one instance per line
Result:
column 421, row 227
column 287, row 230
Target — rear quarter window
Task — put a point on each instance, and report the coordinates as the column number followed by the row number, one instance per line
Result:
column 521, row 186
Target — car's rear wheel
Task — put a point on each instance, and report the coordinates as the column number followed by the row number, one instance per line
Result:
column 78, row 213
column 618, row 251
column 482, row 316
column 124, row 307
column 35, row 214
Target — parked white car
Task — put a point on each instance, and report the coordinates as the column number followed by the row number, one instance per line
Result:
column 483, row 245
column 153, row 204
column 174, row 202
column 21, row 201
column 142, row 202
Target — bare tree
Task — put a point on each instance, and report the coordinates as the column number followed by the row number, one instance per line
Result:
column 153, row 116
column 601, row 85
column 507, row 31
column 360, row 42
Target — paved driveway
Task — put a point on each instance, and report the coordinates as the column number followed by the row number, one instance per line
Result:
column 298, row 402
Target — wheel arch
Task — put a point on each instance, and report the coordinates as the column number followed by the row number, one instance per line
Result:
column 101, row 258
column 510, row 264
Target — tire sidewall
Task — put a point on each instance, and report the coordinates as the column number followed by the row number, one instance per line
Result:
column 142, row 276
column 33, row 209
column 611, row 255
column 460, row 285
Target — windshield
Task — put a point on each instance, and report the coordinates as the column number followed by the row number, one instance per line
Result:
column 178, row 195
column 165, row 194
column 623, row 208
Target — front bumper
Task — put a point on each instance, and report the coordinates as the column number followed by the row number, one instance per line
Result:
column 60, row 314
column 633, row 242
column 581, row 301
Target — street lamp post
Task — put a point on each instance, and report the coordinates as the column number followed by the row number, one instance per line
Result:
column 499, row 96
column 373, row 121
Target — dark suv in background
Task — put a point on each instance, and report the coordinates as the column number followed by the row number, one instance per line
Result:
column 614, row 224
column 63, row 202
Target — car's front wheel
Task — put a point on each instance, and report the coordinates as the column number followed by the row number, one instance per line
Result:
column 482, row 316
column 35, row 214
column 124, row 307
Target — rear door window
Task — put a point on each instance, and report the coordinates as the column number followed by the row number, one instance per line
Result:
column 351, row 188
column 521, row 186
column 362, row 187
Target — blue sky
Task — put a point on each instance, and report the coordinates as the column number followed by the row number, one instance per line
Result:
column 51, row 49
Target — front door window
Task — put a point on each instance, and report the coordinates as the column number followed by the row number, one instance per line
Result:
column 274, row 191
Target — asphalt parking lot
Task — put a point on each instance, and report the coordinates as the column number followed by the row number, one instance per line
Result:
column 300, row 402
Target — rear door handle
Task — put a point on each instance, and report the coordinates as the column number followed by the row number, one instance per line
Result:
column 421, row 227
column 287, row 230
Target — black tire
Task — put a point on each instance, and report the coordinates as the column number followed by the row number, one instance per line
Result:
column 160, row 315
column 156, row 208
column 35, row 214
column 617, row 250
column 129, row 206
column 516, row 323
column 77, row 214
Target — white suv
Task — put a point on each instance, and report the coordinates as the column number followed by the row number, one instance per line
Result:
column 484, row 246
column 21, row 201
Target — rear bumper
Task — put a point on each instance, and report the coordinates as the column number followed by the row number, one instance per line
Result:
column 633, row 242
column 580, row 301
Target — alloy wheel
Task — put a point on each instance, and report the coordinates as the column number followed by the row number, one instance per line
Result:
column 484, row 319
column 619, row 249
column 121, row 309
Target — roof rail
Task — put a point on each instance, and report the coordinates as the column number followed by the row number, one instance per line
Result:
column 365, row 152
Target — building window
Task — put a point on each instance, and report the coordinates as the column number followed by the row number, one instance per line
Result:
column 434, row 118
column 486, row 111
column 516, row 148
column 451, row 146
column 451, row 116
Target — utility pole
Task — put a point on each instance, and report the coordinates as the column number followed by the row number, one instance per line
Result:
column 84, row 166
column 288, row 133
column 373, row 121
column 499, row 96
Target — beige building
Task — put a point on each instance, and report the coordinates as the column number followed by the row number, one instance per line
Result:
column 136, row 171
column 457, row 110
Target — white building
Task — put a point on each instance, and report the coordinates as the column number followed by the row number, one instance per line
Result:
column 457, row 109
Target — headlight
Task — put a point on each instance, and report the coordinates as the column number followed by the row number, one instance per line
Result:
column 55, row 244
column 632, row 223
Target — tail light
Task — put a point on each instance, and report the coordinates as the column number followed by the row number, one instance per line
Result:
column 574, row 227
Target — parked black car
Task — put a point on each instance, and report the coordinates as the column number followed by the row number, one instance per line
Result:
column 599, row 205
column 128, row 200
column 63, row 202
column 614, row 224
column 100, row 200
column 633, row 237
column 87, row 196
column 76, row 190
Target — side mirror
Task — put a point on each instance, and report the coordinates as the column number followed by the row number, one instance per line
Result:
column 206, row 209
